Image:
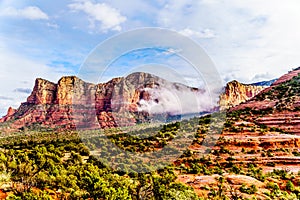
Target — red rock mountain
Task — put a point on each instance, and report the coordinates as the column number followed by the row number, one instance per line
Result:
column 237, row 93
column 73, row 103
column 9, row 115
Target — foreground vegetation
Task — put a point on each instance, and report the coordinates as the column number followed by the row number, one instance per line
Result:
column 72, row 165
column 61, row 167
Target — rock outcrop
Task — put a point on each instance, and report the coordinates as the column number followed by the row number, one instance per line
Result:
column 237, row 93
column 44, row 92
column 9, row 115
column 73, row 103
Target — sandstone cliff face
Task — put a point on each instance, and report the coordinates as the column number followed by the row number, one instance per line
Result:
column 69, row 104
column 237, row 93
column 44, row 92
column 9, row 115
column 73, row 103
column 72, row 90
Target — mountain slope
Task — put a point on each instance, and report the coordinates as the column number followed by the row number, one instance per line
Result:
column 278, row 105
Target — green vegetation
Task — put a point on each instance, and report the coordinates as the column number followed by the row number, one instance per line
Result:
column 248, row 190
column 64, row 169
column 285, row 93
column 45, row 165
column 87, row 164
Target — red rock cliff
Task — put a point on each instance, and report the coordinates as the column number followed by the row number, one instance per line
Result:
column 236, row 93
column 73, row 103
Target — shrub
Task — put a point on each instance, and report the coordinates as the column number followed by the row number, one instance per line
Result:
column 290, row 186
column 248, row 190
column 272, row 186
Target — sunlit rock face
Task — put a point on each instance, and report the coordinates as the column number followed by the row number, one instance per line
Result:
column 44, row 92
column 73, row 103
column 9, row 115
column 237, row 93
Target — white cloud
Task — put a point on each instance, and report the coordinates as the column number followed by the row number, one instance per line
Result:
column 108, row 17
column 262, row 77
column 205, row 34
column 251, row 41
column 177, row 100
column 18, row 72
column 29, row 12
column 252, row 37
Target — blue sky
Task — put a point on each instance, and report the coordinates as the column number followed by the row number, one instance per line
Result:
column 247, row 40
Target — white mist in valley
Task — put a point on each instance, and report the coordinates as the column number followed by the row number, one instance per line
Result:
column 177, row 99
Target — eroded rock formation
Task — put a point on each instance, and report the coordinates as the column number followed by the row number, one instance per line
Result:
column 73, row 103
column 236, row 93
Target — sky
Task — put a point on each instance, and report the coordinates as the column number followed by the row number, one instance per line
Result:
column 249, row 41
